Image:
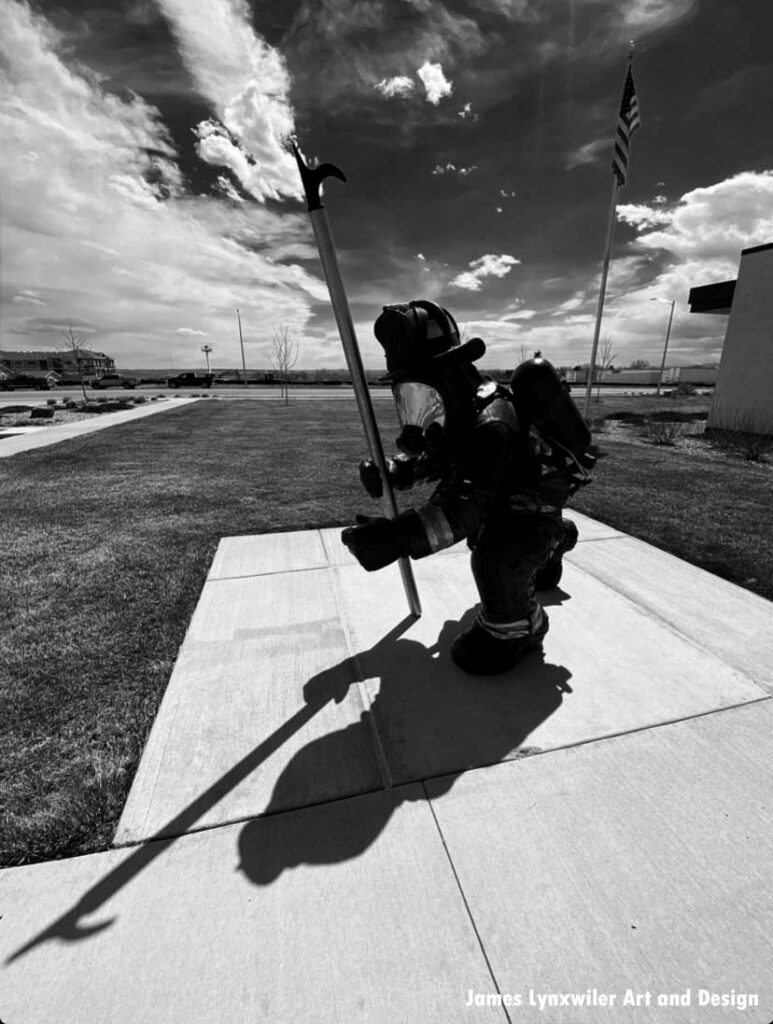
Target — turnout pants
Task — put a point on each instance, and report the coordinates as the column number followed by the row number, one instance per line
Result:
column 506, row 555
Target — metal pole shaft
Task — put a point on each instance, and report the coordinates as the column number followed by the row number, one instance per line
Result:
column 602, row 291
column 665, row 348
column 241, row 342
column 343, row 317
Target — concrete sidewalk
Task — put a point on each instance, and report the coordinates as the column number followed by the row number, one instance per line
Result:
column 24, row 439
column 331, row 823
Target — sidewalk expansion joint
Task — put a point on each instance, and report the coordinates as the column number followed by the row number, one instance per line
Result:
column 268, row 572
column 164, row 837
column 601, row 540
column 172, row 836
column 465, row 901
column 665, row 623
column 537, row 752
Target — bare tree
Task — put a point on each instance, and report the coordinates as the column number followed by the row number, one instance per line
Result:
column 285, row 355
column 604, row 361
column 73, row 344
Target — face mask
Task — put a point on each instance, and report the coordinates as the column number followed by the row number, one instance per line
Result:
column 419, row 405
column 422, row 415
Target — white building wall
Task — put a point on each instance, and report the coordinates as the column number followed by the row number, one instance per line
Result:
column 743, row 396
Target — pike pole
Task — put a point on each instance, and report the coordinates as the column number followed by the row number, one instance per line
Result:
column 312, row 178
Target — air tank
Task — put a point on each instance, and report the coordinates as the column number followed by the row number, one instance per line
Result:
column 540, row 397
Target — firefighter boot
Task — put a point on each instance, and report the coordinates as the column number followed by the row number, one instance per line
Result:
column 549, row 575
column 480, row 651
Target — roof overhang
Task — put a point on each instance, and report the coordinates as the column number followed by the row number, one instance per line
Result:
column 712, row 298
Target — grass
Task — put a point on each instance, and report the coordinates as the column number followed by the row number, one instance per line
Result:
column 107, row 540
column 712, row 513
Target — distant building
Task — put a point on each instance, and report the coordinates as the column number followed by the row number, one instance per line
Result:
column 647, row 377
column 743, row 397
column 64, row 363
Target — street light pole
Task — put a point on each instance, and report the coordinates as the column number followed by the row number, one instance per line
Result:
column 665, row 347
column 241, row 342
column 206, row 349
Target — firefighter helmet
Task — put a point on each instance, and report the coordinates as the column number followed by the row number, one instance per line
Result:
column 419, row 337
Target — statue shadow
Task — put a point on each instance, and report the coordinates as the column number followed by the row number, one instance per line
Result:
column 426, row 719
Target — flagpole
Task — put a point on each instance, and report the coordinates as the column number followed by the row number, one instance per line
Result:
column 616, row 182
column 602, row 291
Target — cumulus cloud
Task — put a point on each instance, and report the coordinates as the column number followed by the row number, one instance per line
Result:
column 485, row 266
column 434, row 81
column 448, row 168
column 649, row 14
column 342, row 50
column 227, row 189
column 678, row 246
column 96, row 224
column 590, row 153
column 694, row 241
column 400, row 85
column 713, row 222
column 640, row 215
column 28, row 296
column 248, row 84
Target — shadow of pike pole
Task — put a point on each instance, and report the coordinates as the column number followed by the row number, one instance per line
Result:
column 332, row 685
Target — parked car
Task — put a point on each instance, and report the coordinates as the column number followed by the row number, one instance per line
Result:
column 191, row 380
column 114, row 380
column 24, row 381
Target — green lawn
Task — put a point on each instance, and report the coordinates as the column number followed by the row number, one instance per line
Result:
column 107, row 540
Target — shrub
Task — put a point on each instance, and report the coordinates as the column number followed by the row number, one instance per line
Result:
column 71, row 404
column 17, row 409
column 669, row 416
column 42, row 412
column 599, row 425
column 660, row 431
column 112, row 405
column 139, row 399
column 754, row 447
column 741, row 432
column 50, row 401
column 684, row 389
column 627, row 417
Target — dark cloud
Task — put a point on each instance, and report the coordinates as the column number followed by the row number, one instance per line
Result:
column 544, row 82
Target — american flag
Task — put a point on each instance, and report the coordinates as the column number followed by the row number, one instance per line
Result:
column 627, row 122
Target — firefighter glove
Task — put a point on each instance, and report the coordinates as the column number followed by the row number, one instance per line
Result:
column 375, row 542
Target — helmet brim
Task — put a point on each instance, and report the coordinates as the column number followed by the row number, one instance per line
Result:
column 468, row 352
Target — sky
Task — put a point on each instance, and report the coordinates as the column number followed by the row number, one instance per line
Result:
column 147, row 192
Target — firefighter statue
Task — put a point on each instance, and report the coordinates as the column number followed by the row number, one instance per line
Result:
column 505, row 461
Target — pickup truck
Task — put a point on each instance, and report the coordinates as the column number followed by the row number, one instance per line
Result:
column 114, row 380
column 191, row 380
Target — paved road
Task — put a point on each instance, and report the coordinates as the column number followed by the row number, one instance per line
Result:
column 252, row 393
